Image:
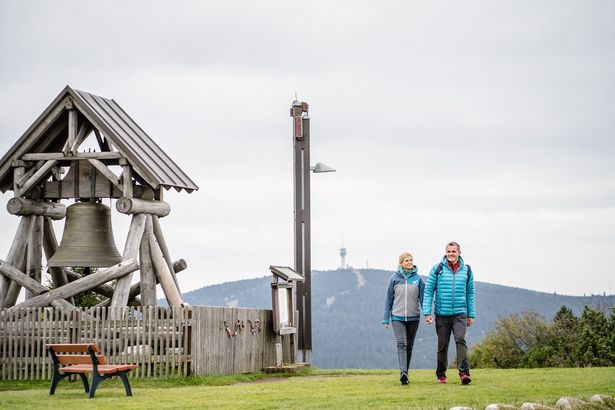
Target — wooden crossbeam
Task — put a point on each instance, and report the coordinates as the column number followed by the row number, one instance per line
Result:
column 46, row 156
column 106, row 172
column 38, row 175
column 86, row 283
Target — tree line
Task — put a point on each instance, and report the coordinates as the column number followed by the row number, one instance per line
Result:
column 527, row 340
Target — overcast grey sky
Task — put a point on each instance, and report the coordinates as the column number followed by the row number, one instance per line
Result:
column 486, row 122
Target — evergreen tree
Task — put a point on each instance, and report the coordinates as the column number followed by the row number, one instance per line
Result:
column 564, row 339
column 595, row 342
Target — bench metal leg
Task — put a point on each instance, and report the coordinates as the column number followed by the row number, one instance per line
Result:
column 96, row 379
column 84, row 379
column 126, row 384
column 54, row 381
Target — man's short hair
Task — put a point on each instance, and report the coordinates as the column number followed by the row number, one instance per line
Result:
column 454, row 244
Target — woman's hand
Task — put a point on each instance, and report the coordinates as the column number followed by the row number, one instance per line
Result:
column 386, row 325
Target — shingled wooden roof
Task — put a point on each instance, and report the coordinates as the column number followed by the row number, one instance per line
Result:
column 121, row 134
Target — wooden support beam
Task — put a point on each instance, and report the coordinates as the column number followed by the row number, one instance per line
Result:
column 106, row 172
column 23, row 206
column 22, row 279
column 165, row 249
column 16, row 257
column 34, row 257
column 22, row 180
column 142, row 206
column 102, row 143
column 178, row 266
column 50, row 246
column 104, row 289
column 72, row 129
column 126, row 179
column 38, row 176
column 58, row 156
column 148, row 276
column 31, row 285
column 131, row 249
column 163, row 274
column 83, row 131
column 86, row 283
column 19, row 181
column 18, row 174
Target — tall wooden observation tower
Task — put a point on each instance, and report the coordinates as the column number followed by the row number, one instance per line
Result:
column 44, row 167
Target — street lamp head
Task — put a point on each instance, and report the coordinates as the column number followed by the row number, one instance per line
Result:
column 320, row 167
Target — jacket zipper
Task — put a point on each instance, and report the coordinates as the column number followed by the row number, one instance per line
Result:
column 406, row 298
column 453, row 291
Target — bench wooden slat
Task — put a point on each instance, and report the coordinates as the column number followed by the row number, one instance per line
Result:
column 102, row 369
column 79, row 359
column 73, row 347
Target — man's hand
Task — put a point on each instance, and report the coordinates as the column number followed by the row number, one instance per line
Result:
column 469, row 321
column 429, row 319
column 386, row 325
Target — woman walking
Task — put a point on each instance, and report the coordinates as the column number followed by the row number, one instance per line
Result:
column 402, row 305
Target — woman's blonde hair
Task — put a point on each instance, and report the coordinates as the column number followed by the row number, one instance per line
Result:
column 404, row 256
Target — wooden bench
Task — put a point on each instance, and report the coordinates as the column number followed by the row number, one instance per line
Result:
column 83, row 358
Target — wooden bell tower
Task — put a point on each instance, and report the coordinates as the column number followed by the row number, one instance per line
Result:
column 44, row 167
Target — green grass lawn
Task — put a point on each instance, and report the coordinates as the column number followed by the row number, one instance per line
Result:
column 321, row 389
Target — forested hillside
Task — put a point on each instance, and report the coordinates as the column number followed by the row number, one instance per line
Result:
column 348, row 306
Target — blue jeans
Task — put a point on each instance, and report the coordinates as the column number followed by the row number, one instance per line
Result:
column 404, row 335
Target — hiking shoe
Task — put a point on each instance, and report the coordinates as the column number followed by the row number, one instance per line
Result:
column 465, row 378
column 403, row 378
column 442, row 379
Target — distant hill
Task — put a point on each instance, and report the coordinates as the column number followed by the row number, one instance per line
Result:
column 347, row 313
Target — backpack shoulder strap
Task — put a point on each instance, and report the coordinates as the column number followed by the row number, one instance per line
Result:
column 469, row 274
column 438, row 272
column 439, row 269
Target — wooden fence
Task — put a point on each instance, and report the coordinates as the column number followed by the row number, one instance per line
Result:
column 164, row 342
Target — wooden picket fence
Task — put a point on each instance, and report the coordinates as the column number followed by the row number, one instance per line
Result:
column 164, row 342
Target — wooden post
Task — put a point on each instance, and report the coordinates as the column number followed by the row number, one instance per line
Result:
column 18, row 172
column 35, row 253
column 131, row 249
column 126, row 179
column 16, row 256
column 164, row 275
column 50, row 245
column 165, row 250
column 148, row 276
column 72, row 128
column 23, row 207
column 86, row 283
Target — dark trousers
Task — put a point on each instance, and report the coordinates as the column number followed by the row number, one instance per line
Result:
column 404, row 335
column 445, row 325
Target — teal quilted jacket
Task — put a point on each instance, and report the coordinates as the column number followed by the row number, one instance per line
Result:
column 453, row 292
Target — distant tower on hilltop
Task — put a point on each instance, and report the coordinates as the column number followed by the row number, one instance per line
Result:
column 343, row 256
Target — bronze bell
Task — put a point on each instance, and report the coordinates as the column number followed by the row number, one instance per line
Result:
column 87, row 240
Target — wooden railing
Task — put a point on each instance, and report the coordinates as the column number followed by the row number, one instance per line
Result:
column 164, row 342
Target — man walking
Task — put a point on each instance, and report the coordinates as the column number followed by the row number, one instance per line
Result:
column 452, row 283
